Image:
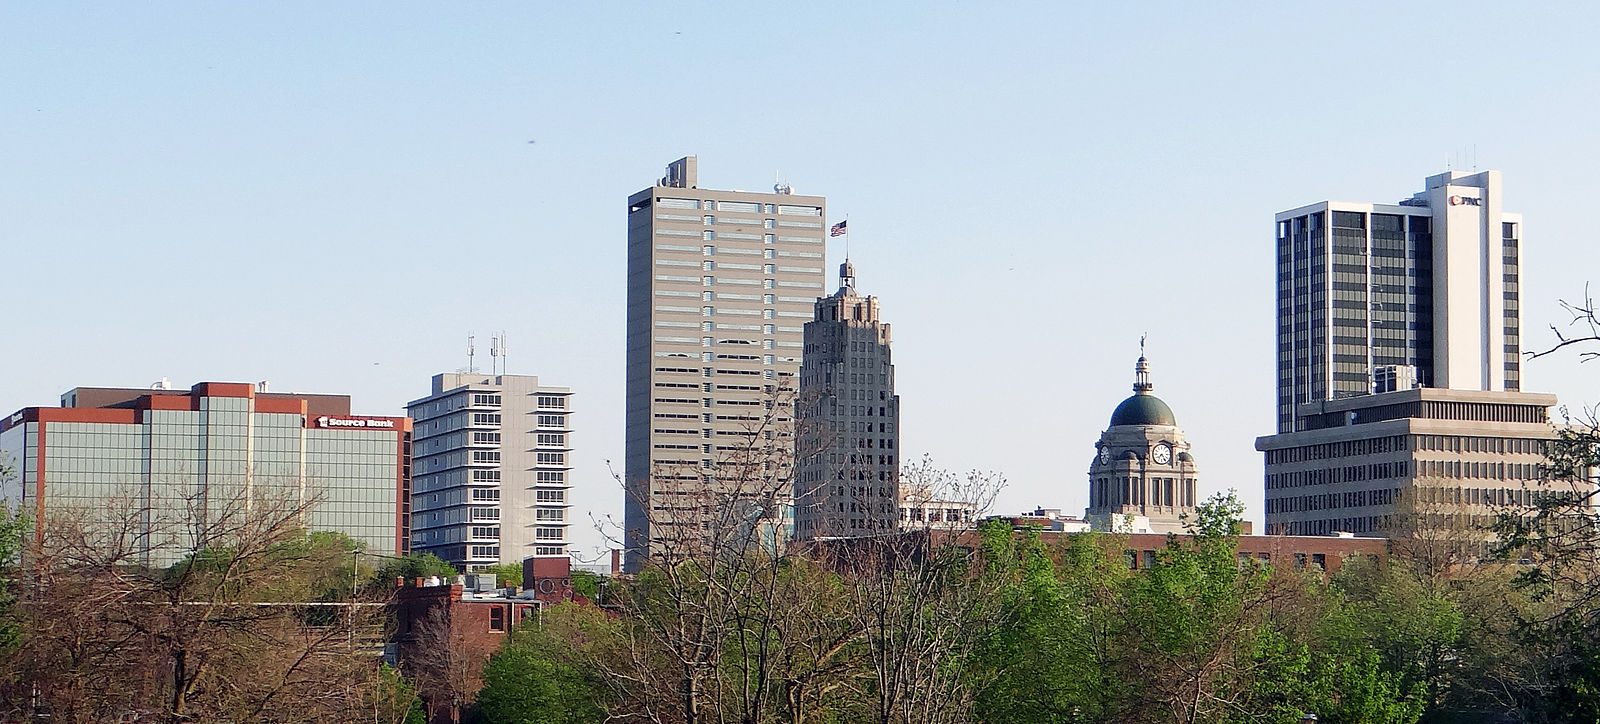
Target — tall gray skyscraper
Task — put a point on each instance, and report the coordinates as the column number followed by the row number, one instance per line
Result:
column 847, row 482
column 1419, row 293
column 491, row 463
column 719, row 285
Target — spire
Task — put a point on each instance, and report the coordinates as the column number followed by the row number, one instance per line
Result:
column 1141, row 372
column 847, row 277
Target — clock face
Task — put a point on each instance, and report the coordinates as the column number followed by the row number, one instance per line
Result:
column 1162, row 454
column 1105, row 455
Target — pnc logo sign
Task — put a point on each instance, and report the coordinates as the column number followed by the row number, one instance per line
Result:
column 1465, row 201
column 366, row 422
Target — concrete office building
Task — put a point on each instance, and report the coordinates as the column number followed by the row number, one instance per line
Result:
column 1419, row 293
column 179, row 458
column 847, row 482
column 1142, row 479
column 492, row 466
column 1461, row 452
column 719, row 286
column 1398, row 361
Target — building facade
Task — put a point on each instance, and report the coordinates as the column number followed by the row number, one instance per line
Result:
column 492, row 467
column 1142, row 478
column 848, row 480
column 720, row 284
column 178, row 459
column 1420, row 293
column 1460, row 452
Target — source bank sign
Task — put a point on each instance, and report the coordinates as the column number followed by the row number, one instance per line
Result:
column 375, row 423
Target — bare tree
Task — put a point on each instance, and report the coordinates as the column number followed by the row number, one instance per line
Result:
column 238, row 629
column 1583, row 328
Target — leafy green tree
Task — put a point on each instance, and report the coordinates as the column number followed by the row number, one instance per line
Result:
column 538, row 677
column 510, row 574
column 413, row 566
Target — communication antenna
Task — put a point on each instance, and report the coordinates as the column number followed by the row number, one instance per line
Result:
column 472, row 350
column 505, row 354
column 497, row 353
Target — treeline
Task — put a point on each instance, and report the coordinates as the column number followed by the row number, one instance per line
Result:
column 258, row 621
column 1013, row 629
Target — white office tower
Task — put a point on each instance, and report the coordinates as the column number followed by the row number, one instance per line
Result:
column 491, row 467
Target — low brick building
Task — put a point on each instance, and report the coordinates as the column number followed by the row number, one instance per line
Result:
column 446, row 630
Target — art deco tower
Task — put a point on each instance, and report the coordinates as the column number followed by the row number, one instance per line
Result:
column 847, row 481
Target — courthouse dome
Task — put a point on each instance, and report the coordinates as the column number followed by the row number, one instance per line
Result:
column 1143, row 408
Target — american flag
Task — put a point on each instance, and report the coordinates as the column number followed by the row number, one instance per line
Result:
column 838, row 229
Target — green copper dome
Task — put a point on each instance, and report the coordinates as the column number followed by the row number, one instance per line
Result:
column 1143, row 409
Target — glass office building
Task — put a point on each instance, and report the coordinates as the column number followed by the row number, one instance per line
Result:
column 176, row 459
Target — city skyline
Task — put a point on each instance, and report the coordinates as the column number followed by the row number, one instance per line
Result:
column 260, row 176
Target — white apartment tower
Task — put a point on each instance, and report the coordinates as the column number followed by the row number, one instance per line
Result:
column 491, row 469
column 1376, row 297
column 720, row 284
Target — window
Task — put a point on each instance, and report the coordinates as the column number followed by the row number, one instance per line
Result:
column 768, row 284
column 768, row 314
column 556, row 515
column 548, row 496
column 768, row 238
column 707, row 296
column 497, row 619
column 707, row 326
column 708, row 235
column 486, row 438
column 709, row 220
column 707, row 281
column 486, row 476
column 551, row 477
column 551, row 458
column 483, row 399
column 769, row 298
column 485, row 494
column 484, row 551
column 484, row 514
column 769, row 224
column 549, row 533
column 486, row 531
column 707, row 341
column 769, row 329
column 708, row 250
column 552, row 439
column 486, row 456
column 486, row 418
column 552, row 421
column 707, row 311
column 552, row 403
column 708, row 266
column 769, row 268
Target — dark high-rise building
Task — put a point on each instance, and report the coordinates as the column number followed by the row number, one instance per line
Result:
column 847, row 481
column 1376, row 297
column 1398, row 363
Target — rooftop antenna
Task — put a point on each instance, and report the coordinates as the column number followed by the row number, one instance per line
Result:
column 497, row 350
column 472, row 350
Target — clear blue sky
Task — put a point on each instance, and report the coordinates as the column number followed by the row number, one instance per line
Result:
column 331, row 195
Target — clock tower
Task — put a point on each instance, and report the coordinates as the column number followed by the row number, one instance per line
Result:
column 1142, row 478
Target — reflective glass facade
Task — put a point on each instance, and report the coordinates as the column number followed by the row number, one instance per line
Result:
column 177, row 457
